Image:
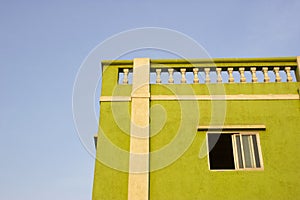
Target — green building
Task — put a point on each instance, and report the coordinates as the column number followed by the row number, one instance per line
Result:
column 199, row 129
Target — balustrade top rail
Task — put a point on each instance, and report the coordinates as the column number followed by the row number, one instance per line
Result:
column 216, row 70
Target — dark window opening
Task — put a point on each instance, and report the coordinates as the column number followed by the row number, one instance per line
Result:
column 220, row 151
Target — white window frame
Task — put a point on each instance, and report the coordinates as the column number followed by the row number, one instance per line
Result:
column 235, row 154
column 252, row 154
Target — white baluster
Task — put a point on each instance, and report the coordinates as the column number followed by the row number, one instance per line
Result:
column 125, row 79
column 289, row 77
column 230, row 79
column 158, row 72
column 207, row 77
column 183, row 79
column 277, row 75
column 219, row 77
column 254, row 77
column 242, row 73
column 195, row 71
column 266, row 76
column 171, row 79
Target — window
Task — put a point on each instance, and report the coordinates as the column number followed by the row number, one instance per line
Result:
column 234, row 151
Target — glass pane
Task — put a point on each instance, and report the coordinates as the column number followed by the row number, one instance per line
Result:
column 247, row 151
column 256, row 154
column 239, row 151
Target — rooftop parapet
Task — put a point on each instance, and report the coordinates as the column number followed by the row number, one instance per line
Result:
column 217, row 70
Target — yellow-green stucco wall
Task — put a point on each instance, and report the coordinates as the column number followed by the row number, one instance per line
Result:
column 189, row 176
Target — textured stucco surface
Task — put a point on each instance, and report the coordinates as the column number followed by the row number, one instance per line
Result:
column 189, row 177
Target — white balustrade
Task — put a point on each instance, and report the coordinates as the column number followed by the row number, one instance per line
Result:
column 266, row 76
column 208, row 71
column 171, row 79
column 219, row 77
column 230, row 73
column 183, row 79
column 242, row 75
column 195, row 71
column 277, row 75
column 125, row 79
column 158, row 72
column 288, row 74
column 253, row 72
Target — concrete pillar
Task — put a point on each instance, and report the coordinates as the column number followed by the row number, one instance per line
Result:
column 138, row 181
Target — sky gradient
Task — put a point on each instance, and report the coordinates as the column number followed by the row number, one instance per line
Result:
column 43, row 45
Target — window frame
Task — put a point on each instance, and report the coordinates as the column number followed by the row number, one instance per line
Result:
column 234, row 151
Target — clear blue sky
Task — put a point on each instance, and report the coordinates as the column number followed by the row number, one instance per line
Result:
column 43, row 45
